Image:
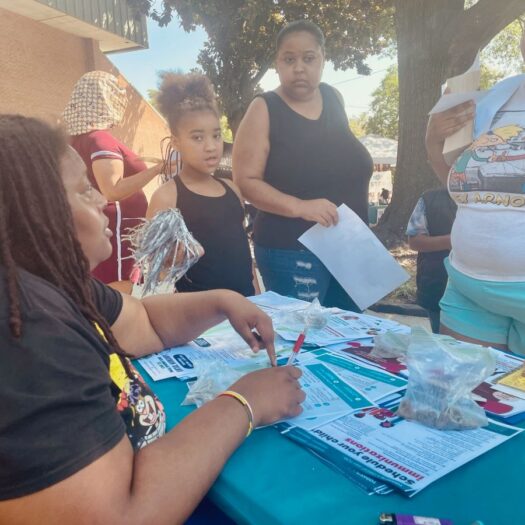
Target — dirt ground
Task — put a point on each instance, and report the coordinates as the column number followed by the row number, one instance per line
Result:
column 406, row 293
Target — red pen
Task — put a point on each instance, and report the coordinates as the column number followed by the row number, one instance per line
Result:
column 297, row 346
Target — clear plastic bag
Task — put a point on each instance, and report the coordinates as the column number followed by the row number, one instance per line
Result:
column 213, row 378
column 390, row 344
column 442, row 375
column 312, row 317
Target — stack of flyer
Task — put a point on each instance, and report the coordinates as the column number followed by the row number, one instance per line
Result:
column 349, row 419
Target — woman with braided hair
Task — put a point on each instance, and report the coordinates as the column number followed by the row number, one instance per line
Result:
column 77, row 417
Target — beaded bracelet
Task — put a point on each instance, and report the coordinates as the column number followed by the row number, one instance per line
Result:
column 242, row 400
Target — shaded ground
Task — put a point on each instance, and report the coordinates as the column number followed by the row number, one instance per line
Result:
column 403, row 319
column 406, row 293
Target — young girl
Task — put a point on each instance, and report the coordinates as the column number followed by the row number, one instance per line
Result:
column 212, row 208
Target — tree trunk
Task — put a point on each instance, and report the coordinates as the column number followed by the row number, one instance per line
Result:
column 234, row 119
column 435, row 39
column 422, row 66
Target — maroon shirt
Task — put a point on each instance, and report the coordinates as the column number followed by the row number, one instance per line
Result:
column 122, row 215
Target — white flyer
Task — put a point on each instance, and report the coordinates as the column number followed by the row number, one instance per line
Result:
column 406, row 455
column 373, row 383
column 341, row 327
column 221, row 343
column 272, row 302
column 355, row 257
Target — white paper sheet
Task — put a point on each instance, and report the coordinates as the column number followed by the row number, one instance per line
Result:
column 221, row 344
column 340, row 328
column 451, row 100
column 406, row 455
column 460, row 88
column 355, row 257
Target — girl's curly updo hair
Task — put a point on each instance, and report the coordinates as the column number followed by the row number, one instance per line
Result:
column 180, row 94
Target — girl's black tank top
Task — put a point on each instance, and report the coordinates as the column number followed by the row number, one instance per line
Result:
column 217, row 223
column 311, row 159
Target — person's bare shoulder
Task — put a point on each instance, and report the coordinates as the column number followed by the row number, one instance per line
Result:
column 163, row 198
column 256, row 116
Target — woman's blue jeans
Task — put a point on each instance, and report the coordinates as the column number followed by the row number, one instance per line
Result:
column 300, row 274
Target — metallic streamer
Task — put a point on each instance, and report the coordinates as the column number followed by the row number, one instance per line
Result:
column 163, row 249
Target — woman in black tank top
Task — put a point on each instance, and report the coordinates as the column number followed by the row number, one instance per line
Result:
column 296, row 160
column 212, row 210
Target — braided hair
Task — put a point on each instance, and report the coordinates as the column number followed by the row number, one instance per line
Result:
column 37, row 232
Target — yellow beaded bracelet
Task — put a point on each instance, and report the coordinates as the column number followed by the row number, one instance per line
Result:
column 242, row 400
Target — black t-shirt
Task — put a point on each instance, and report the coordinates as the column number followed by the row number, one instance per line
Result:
column 66, row 400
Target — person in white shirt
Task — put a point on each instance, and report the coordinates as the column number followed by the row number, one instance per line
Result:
column 485, row 298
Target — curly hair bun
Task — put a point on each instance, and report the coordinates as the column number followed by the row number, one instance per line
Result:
column 179, row 94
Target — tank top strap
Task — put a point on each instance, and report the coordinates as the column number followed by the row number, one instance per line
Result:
column 277, row 112
column 333, row 106
column 272, row 99
column 229, row 191
column 181, row 187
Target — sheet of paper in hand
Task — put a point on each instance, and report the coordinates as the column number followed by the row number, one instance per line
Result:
column 467, row 82
column 355, row 257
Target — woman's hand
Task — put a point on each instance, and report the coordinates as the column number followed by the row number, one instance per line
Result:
column 439, row 127
column 252, row 324
column 442, row 125
column 273, row 393
column 321, row 211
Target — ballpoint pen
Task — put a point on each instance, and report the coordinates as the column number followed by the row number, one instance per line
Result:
column 315, row 316
column 297, row 346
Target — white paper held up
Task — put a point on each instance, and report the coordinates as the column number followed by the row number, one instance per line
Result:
column 467, row 82
column 355, row 257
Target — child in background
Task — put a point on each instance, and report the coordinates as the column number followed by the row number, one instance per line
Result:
column 211, row 207
column 428, row 233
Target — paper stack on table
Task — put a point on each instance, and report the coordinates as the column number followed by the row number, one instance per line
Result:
column 405, row 455
column 223, row 344
column 349, row 418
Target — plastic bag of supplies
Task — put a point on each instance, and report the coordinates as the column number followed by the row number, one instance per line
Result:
column 442, row 374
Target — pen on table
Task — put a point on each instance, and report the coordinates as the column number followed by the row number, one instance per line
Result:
column 297, row 346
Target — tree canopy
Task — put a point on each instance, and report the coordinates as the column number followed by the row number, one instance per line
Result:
column 384, row 108
column 383, row 116
column 435, row 40
column 241, row 36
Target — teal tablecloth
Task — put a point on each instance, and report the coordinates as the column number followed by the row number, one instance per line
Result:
column 272, row 480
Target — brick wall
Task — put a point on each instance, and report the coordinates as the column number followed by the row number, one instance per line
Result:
column 40, row 66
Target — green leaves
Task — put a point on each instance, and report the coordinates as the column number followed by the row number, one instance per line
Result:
column 242, row 33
